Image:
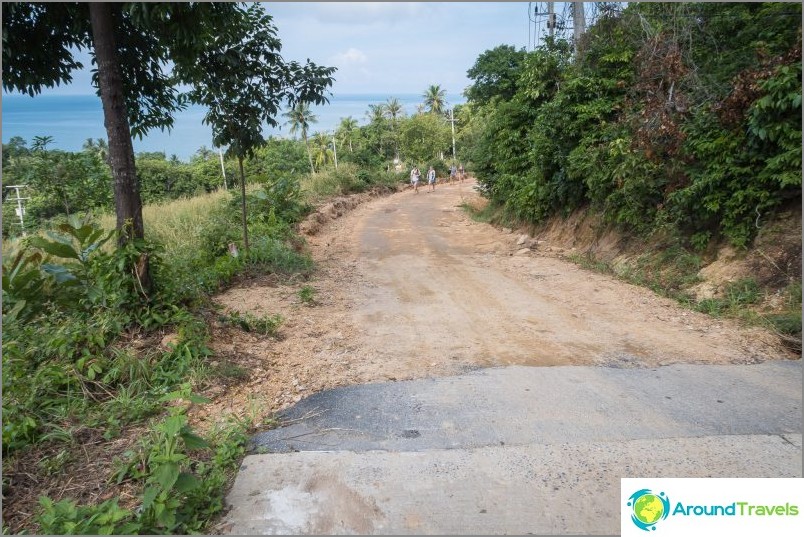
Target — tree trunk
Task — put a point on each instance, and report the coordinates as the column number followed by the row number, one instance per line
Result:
column 243, row 202
column 309, row 155
column 128, row 205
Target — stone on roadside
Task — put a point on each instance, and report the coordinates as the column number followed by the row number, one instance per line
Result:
column 523, row 251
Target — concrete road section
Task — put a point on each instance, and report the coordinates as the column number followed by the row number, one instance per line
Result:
column 512, row 450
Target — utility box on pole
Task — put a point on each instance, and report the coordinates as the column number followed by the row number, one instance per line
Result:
column 19, row 210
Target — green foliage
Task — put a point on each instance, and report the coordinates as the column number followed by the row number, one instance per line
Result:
column 495, row 74
column 307, row 295
column 635, row 126
column 66, row 518
column 267, row 325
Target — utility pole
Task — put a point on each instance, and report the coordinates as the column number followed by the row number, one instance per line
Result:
column 223, row 170
column 578, row 24
column 551, row 18
column 335, row 152
column 20, row 210
column 452, row 124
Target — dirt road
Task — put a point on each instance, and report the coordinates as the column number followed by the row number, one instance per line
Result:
column 409, row 287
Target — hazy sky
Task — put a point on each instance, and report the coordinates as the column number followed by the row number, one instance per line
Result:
column 385, row 47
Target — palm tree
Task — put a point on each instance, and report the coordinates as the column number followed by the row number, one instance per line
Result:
column 434, row 99
column 393, row 109
column 346, row 129
column 323, row 153
column 376, row 113
column 99, row 148
column 300, row 118
column 40, row 143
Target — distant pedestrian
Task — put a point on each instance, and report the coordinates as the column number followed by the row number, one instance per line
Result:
column 461, row 172
column 452, row 172
column 415, row 176
column 431, row 179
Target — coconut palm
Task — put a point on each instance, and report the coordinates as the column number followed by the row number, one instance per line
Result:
column 40, row 143
column 376, row 113
column 393, row 109
column 300, row 118
column 434, row 99
column 99, row 148
column 347, row 129
column 320, row 145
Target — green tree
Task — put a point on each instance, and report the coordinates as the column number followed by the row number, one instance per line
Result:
column 393, row 111
column 435, row 99
column 321, row 148
column 257, row 82
column 495, row 74
column 424, row 137
column 40, row 143
column 346, row 130
column 300, row 118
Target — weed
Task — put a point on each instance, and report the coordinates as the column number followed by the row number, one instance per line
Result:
column 307, row 295
column 267, row 325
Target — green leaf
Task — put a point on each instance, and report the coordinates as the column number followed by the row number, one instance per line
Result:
column 186, row 482
column 59, row 272
column 192, row 440
column 166, row 475
column 148, row 497
column 54, row 248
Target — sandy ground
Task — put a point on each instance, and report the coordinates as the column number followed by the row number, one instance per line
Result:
column 408, row 286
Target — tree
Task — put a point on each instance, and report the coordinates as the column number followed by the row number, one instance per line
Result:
column 257, row 82
column 323, row 152
column 423, row 137
column 347, row 129
column 98, row 148
column 393, row 111
column 300, row 118
column 495, row 74
column 40, row 143
column 133, row 45
column 434, row 99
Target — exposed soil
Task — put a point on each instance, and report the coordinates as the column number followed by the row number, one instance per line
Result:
column 408, row 286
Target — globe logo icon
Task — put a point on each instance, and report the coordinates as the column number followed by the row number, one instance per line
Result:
column 648, row 508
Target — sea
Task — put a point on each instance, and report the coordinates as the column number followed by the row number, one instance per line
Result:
column 71, row 119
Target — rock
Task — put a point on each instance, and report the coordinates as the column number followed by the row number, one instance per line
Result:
column 297, row 398
column 508, row 230
column 522, row 240
column 523, row 251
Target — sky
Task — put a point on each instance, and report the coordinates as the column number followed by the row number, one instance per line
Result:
column 385, row 47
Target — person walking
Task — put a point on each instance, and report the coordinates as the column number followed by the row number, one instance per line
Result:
column 452, row 172
column 431, row 178
column 415, row 176
column 461, row 172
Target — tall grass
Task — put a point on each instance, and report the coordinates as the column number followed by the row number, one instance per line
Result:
column 176, row 224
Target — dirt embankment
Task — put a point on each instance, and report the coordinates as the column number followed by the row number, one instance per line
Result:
column 773, row 261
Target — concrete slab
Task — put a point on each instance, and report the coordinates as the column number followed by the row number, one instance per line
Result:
column 540, row 488
column 521, row 405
